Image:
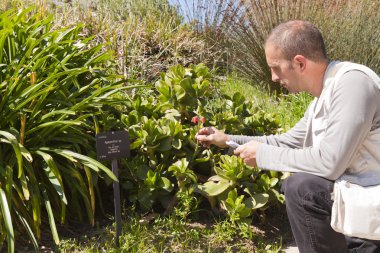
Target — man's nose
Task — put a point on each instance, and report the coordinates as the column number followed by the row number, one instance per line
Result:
column 275, row 78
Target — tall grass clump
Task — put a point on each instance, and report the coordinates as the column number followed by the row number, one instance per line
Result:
column 146, row 36
column 55, row 88
column 207, row 18
column 349, row 27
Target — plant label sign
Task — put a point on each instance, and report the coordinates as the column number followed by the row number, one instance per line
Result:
column 112, row 145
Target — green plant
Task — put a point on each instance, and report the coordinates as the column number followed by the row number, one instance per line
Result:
column 239, row 28
column 170, row 167
column 146, row 37
column 185, row 89
column 168, row 234
column 183, row 173
column 235, row 207
column 234, row 182
column 54, row 88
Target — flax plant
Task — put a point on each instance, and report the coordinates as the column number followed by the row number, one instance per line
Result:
column 54, row 87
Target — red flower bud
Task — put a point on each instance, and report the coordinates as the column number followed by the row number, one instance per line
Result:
column 194, row 120
column 202, row 119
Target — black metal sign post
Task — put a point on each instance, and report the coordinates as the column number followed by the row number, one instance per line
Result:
column 116, row 200
column 112, row 146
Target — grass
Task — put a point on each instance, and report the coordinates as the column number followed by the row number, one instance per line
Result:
column 146, row 37
column 238, row 29
column 172, row 234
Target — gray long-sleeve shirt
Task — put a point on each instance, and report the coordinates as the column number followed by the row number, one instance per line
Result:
column 354, row 111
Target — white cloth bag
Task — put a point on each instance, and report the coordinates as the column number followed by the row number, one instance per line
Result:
column 356, row 210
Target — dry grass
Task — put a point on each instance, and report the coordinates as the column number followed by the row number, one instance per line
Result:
column 238, row 29
column 146, row 36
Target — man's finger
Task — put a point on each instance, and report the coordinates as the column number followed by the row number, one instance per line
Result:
column 238, row 150
column 203, row 131
column 202, row 138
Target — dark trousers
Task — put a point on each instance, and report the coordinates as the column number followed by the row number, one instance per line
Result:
column 308, row 206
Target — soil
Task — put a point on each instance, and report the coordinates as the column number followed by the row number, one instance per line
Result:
column 275, row 225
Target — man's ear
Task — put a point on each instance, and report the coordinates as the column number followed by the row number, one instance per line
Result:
column 300, row 62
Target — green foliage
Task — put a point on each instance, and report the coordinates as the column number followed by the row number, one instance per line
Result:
column 235, row 206
column 289, row 108
column 54, row 87
column 238, row 28
column 185, row 88
column 183, row 174
column 146, row 36
column 170, row 234
column 57, row 90
column 168, row 166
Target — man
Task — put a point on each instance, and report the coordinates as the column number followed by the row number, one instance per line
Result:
column 337, row 140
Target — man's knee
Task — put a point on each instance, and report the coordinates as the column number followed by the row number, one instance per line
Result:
column 300, row 185
column 297, row 183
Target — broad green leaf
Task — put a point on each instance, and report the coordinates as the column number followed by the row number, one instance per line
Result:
column 257, row 200
column 273, row 182
column 164, row 145
column 97, row 59
column 64, row 32
column 180, row 93
column 142, row 172
column 164, row 89
column 166, row 184
column 273, row 173
column 55, row 183
column 212, row 188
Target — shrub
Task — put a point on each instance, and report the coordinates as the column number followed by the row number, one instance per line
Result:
column 168, row 166
column 349, row 27
column 146, row 36
column 54, row 89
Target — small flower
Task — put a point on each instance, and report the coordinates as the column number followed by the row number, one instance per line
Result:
column 198, row 119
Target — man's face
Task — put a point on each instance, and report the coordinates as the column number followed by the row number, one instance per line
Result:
column 282, row 70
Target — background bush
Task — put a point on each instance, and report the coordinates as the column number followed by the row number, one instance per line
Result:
column 239, row 28
column 146, row 37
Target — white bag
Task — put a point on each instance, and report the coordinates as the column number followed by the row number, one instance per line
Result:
column 356, row 210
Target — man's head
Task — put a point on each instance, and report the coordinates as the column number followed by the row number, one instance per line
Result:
column 298, row 37
column 293, row 49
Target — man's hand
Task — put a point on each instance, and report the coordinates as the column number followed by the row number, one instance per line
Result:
column 210, row 135
column 248, row 152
